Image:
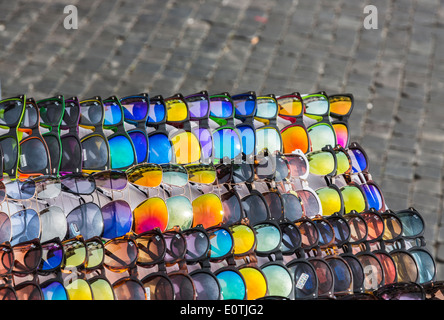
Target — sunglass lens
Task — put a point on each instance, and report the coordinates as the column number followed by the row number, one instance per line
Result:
column 79, row 289
column 231, row 207
column 255, row 209
column 353, row 199
column 129, row 289
column 140, row 143
column 176, row 110
column 373, row 196
column 244, row 105
column 227, row 144
column 206, row 141
column 305, row 280
column 198, row 105
column 102, row 290
column 293, row 138
column 11, row 111
column 120, row 254
column 91, row 113
column 9, row 147
column 117, row 219
column 255, row 281
column 186, row 148
column 27, row 257
column 85, row 220
column 292, row 207
column 95, row 152
column 311, row 205
column 160, row 150
column 221, row 107
column 280, row 282
column 207, row 286
column 53, row 223
column 342, row 134
column 268, row 237
column 150, row 214
column 113, row 114
column 232, row 285
column 25, row 226
column 358, row 159
column 198, row 245
column 321, row 135
column 71, row 155
column 54, row 291
column 121, row 151
column 248, row 139
column 244, row 239
column 221, row 243
column 158, row 287
column 316, row 104
column 330, row 200
column 157, row 112
column 207, row 210
column 134, row 108
column 340, row 105
column 78, row 184
column 269, row 139
column 145, row 175
column 52, row 256
column 321, row 163
column 412, row 224
column 20, row 190
column 33, row 156
column 180, row 212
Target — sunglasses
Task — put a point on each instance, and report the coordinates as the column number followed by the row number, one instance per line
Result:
column 85, row 220
column 245, row 109
column 295, row 135
column 136, row 110
column 321, row 133
column 341, row 107
column 199, row 109
column 95, row 146
column 122, row 151
column 34, row 158
column 12, row 110
column 51, row 115
column 71, row 161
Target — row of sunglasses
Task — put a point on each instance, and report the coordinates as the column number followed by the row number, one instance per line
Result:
column 353, row 256
column 61, row 135
column 149, row 196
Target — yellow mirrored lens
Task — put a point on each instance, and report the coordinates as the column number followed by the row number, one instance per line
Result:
column 255, row 281
column 102, row 290
column 145, row 175
column 244, row 239
column 176, row 110
column 330, row 201
column 75, row 254
column 340, row 105
column 201, row 174
column 343, row 164
column 79, row 289
column 95, row 254
column 186, row 147
column 321, row 163
column 353, row 199
column 207, row 210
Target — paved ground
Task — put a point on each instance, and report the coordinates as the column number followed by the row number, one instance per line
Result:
column 121, row 47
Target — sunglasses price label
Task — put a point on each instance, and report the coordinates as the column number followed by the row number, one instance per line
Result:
column 302, row 280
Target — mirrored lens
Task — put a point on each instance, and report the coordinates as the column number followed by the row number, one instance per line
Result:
column 198, row 105
column 331, row 200
column 102, row 290
column 268, row 238
column 227, row 143
column 145, row 175
column 54, row 290
column 412, row 224
column 180, row 212
column 316, row 104
column 121, row 151
column 321, row 135
column 186, row 148
column 150, row 214
column 157, row 112
column 221, row 107
column 353, row 199
column 294, row 138
column 269, row 139
column 248, row 138
column 373, row 196
column 160, row 149
column 244, row 239
column 52, row 256
column 117, row 219
column 113, row 114
column 267, row 108
column 207, row 210
column 140, row 143
column 221, row 243
column 176, row 110
column 232, row 285
column 342, row 134
column 321, row 163
column 255, row 282
column 279, row 280
column 79, row 289
column 358, row 159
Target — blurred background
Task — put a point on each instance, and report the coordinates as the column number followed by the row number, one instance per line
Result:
column 123, row 47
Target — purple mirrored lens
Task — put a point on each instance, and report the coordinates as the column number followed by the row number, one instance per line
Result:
column 198, row 106
column 373, row 195
column 206, row 141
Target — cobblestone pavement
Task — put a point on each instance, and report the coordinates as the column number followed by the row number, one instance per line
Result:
column 396, row 72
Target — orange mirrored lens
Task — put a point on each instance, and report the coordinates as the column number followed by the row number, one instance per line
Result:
column 207, row 210
column 205, row 174
column 186, row 147
column 294, row 138
column 150, row 214
column 340, row 105
column 145, row 175
column 290, row 106
column 255, row 281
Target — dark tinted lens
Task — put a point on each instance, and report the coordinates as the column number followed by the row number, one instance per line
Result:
column 207, row 286
column 325, row 277
column 232, row 208
column 373, row 272
column 183, row 287
column 275, row 204
column 129, row 289
column 71, row 154
column 406, row 267
column 91, row 113
column 242, row 172
column 426, row 265
column 9, row 147
column 342, row 275
column 28, row 291
column 51, row 111
column 111, row 179
column 158, row 287
column 27, row 257
column 358, row 227
column 95, row 152
column 33, row 156
column 282, row 170
column 298, row 166
column 71, row 114
column 198, row 245
column 291, row 238
column 265, row 168
column 54, row 145
column 326, row 232
column 30, row 117
column 151, row 248
column 20, row 190
column 311, row 205
column 309, row 233
column 375, row 225
column 305, row 280
column 255, row 209
column 401, row 291
column 78, row 184
column 85, row 220
column 175, row 247
column 412, row 224
column 224, row 173
column 341, row 229
column 292, row 207
column 357, row 272
column 6, row 259
column 10, row 112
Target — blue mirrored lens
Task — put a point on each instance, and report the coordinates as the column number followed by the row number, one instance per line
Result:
column 232, row 285
column 221, row 243
column 221, row 107
column 54, row 291
column 426, row 265
column 244, row 106
column 248, row 139
column 373, row 195
column 122, row 152
column 206, row 141
column 359, row 163
column 156, row 112
column 140, row 144
column 52, row 256
column 226, row 144
column 134, row 108
column 113, row 114
column 160, row 149
column 117, row 219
